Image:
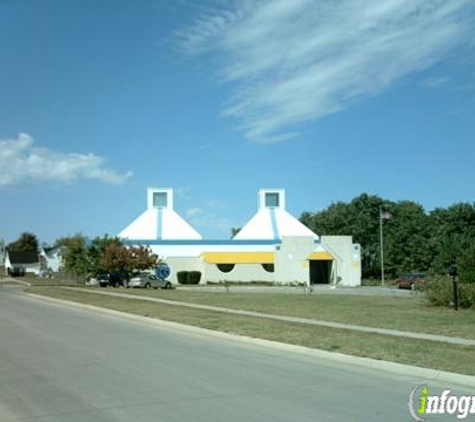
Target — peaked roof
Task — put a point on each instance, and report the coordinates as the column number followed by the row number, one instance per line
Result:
column 160, row 221
column 273, row 221
column 17, row 257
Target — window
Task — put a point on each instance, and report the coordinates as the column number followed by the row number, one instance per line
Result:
column 160, row 199
column 272, row 199
column 225, row 268
column 268, row 267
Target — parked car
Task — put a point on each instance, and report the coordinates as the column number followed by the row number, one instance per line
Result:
column 92, row 281
column 102, row 280
column 16, row 272
column 114, row 279
column 411, row 281
column 147, row 281
column 117, row 279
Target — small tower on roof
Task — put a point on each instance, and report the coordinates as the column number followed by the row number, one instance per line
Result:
column 160, row 221
column 272, row 221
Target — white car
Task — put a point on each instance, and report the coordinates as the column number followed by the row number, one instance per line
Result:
column 147, row 281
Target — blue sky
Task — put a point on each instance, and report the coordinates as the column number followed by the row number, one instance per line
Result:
column 101, row 99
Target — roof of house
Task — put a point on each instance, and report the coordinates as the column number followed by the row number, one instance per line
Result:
column 23, row 257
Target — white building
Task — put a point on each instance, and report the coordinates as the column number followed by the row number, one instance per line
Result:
column 27, row 261
column 52, row 258
column 273, row 246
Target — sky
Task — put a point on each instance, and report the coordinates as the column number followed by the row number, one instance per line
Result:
column 328, row 99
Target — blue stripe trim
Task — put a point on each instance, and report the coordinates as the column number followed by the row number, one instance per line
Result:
column 159, row 223
column 202, row 242
column 273, row 219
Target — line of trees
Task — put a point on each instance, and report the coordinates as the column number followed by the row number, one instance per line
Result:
column 104, row 255
column 414, row 240
column 82, row 257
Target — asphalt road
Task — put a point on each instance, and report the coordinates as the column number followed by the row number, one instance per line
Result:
column 60, row 364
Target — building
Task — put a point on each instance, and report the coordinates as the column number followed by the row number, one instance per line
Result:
column 27, row 261
column 273, row 246
column 52, row 258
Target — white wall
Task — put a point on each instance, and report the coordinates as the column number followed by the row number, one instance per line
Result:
column 241, row 272
column 291, row 264
column 347, row 263
column 184, row 264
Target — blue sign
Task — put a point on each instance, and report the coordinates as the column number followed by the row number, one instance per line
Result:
column 163, row 271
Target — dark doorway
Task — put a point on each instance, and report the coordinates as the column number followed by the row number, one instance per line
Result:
column 320, row 272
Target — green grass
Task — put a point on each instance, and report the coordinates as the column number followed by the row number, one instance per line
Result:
column 394, row 312
column 34, row 280
column 421, row 353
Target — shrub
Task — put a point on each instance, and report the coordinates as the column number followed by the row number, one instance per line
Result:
column 182, row 277
column 467, row 295
column 194, row 277
column 439, row 292
column 188, row 277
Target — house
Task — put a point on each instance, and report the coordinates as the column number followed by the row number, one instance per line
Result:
column 27, row 261
column 52, row 258
column 273, row 246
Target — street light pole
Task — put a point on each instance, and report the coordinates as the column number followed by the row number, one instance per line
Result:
column 455, row 288
column 381, row 245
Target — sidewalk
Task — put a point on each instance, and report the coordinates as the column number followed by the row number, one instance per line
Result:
column 385, row 331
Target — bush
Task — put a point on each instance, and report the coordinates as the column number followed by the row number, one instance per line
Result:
column 182, row 277
column 194, row 277
column 467, row 295
column 439, row 292
column 188, row 277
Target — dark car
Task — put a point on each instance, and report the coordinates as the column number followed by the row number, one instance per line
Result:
column 16, row 272
column 114, row 279
column 411, row 281
column 117, row 279
column 102, row 280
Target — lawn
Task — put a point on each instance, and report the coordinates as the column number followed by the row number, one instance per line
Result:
column 401, row 313
column 421, row 353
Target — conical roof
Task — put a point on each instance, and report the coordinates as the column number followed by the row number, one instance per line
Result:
column 160, row 221
column 272, row 221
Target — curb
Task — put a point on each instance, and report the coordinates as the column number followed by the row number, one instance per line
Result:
column 14, row 281
column 390, row 367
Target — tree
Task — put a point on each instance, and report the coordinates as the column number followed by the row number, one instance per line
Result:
column 407, row 239
column 408, row 236
column 235, row 231
column 119, row 258
column 466, row 265
column 27, row 242
column 75, row 254
column 143, row 258
column 96, row 251
column 453, row 232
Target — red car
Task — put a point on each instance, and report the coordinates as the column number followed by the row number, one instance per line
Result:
column 411, row 281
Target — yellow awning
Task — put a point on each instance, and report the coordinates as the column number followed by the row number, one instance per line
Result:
column 320, row 256
column 238, row 257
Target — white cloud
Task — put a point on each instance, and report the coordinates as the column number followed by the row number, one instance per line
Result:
column 22, row 161
column 434, row 82
column 183, row 192
column 293, row 62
